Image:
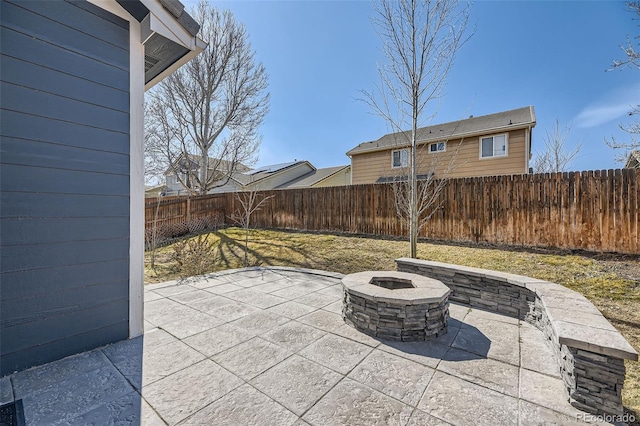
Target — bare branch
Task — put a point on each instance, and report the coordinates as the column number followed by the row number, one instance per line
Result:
column 420, row 41
column 632, row 60
column 206, row 115
column 557, row 155
column 250, row 202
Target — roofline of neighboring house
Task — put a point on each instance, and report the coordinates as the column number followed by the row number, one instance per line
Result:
column 279, row 171
column 332, row 174
column 508, row 127
column 171, row 170
column 285, row 185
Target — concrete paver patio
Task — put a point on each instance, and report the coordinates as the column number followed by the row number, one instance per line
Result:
column 268, row 346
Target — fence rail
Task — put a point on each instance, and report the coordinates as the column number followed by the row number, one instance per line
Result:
column 594, row 210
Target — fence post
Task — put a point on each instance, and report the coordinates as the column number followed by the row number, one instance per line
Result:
column 188, row 208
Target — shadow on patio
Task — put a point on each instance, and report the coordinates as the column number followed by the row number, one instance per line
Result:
column 268, row 346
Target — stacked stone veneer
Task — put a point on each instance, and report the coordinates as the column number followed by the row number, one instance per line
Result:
column 589, row 350
column 407, row 314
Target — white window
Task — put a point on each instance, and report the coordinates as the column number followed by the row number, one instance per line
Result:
column 437, row 147
column 399, row 158
column 493, row 146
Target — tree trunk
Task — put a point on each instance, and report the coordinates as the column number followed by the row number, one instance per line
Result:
column 204, row 168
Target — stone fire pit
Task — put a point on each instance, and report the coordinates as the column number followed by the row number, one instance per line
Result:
column 395, row 305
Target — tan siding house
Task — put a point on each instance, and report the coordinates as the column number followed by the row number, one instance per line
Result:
column 495, row 144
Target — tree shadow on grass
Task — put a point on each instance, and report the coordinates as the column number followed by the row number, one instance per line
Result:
column 228, row 245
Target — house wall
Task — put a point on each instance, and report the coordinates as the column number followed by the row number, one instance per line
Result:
column 343, row 177
column 231, row 186
column 280, row 178
column 64, row 179
column 368, row 167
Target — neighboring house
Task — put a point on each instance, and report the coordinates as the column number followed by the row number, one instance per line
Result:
column 495, row 144
column 182, row 168
column 72, row 80
column 319, row 178
column 155, row 191
column 266, row 177
column 633, row 162
column 295, row 174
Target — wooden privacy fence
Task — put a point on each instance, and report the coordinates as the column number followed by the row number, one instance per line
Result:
column 178, row 211
column 594, row 210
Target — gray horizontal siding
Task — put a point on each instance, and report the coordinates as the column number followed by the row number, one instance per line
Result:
column 33, row 76
column 38, row 256
column 64, row 177
column 31, row 101
column 39, row 179
column 60, row 59
column 30, row 309
column 67, row 323
column 36, row 230
column 37, row 205
column 63, row 278
column 63, row 347
column 28, row 152
column 98, row 42
column 44, row 129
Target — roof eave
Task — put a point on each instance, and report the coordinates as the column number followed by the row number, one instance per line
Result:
column 170, row 34
column 530, row 124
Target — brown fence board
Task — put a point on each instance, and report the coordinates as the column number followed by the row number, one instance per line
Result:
column 592, row 210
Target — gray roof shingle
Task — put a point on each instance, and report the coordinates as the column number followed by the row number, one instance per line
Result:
column 313, row 177
column 501, row 121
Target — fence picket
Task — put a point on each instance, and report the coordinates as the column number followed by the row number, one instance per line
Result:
column 592, row 210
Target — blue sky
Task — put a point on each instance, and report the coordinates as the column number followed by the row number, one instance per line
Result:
column 553, row 55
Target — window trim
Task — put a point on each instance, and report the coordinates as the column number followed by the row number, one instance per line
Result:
column 444, row 144
column 506, row 146
column 393, row 166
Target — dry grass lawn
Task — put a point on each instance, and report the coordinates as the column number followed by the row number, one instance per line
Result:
column 612, row 284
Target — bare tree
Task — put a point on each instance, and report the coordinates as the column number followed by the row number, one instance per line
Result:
column 250, row 202
column 631, row 59
column 428, row 188
column 420, row 41
column 557, row 155
column 155, row 162
column 205, row 116
column 152, row 236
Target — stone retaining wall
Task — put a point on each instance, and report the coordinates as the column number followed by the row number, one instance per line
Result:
column 473, row 287
column 589, row 350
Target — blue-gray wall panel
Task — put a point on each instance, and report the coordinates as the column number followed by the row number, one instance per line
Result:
column 64, row 180
column 37, row 230
column 25, row 204
column 30, row 309
column 39, row 179
column 36, row 256
column 63, row 347
column 28, row 152
column 37, row 77
column 116, row 28
column 66, row 323
column 30, row 101
column 24, row 47
column 25, row 126
column 63, row 278
column 16, row 17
